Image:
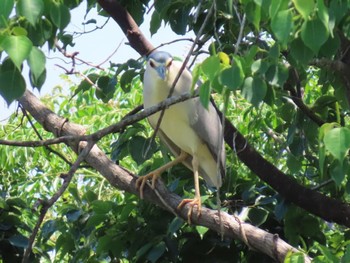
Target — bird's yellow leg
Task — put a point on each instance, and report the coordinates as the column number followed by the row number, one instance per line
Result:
column 141, row 181
column 197, row 196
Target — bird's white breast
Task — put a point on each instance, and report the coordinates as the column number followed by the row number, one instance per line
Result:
column 177, row 118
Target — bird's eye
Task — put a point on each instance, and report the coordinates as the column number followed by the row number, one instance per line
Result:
column 151, row 64
column 169, row 63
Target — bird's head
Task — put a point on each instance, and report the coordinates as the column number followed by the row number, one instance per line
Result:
column 160, row 61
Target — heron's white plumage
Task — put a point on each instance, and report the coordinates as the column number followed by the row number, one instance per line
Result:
column 186, row 126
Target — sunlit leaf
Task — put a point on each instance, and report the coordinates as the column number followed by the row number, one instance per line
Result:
column 210, row 66
column 36, row 61
column 30, row 9
column 304, row 7
column 204, row 94
column 60, row 15
column 314, row 34
column 5, row 10
column 155, row 22
column 337, row 142
column 18, row 48
column 232, row 77
column 282, row 25
column 254, row 90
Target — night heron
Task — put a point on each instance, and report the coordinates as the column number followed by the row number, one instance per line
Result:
column 191, row 132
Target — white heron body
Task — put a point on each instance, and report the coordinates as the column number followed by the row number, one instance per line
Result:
column 178, row 123
column 191, row 132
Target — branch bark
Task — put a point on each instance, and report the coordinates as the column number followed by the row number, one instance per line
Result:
column 118, row 177
column 316, row 203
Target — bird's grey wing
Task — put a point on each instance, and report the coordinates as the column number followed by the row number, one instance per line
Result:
column 208, row 126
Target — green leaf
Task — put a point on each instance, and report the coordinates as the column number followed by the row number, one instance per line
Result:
column 293, row 164
column 30, row 9
column 259, row 66
column 156, row 252
column 155, row 23
column 18, row 48
column 107, row 86
column 257, row 216
column 102, row 207
column 195, row 76
column 36, row 62
column 204, row 94
column 211, row 66
column 232, row 77
column 5, row 11
column 277, row 75
column 175, row 225
column 126, row 79
column 253, row 13
column 304, row 7
column 12, row 85
column 282, row 25
column 274, row 52
column 346, row 256
column 60, row 15
column 328, row 254
column 89, row 196
column 48, row 228
column 254, row 90
column 323, row 14
column 337, row 171
column 331, row 47
column 300, row 52
column 201, row 230
column 18, row 202
column 293, row 257
column 104, row 244
column 337, row 142
column 73, row 215
column 19, row 31
column 19, row 241
column 314, row 34
column 277, row 5
column 143, row 250
column 179, row 19
column 39, row 81
column 137, row 147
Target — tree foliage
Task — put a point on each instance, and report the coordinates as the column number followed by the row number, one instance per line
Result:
column 280, row 72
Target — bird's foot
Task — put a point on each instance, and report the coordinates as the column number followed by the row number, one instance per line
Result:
column 191, row 202
column 141, row 181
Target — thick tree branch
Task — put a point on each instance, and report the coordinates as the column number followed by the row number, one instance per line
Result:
column 136, row 39
column 327, row 208
column 118, row 177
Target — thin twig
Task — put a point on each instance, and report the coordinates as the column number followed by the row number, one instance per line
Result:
column 240, row 34
column 47, row 204
column 98, row 135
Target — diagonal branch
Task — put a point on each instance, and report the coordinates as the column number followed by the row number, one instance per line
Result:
column 118, row 177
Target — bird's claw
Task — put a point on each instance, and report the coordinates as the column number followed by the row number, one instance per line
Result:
column 191, row 203
column 141, row 181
